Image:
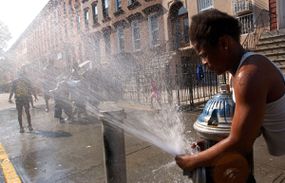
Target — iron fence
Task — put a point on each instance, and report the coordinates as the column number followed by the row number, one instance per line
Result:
column 190, row 85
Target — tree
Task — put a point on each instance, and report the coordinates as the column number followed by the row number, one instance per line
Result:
column 5, row 36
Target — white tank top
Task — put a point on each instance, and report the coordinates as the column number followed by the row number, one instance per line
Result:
column 273, row 126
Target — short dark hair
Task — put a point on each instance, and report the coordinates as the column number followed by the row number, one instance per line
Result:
column 208, row 26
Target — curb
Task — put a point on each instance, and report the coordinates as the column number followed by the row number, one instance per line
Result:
column 9, row 172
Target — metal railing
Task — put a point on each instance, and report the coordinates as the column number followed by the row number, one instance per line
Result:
column 247, row 23
column 240, row 6
column 186, row 83
column 182, row 89
column 194, row 84
column 179, row 80
column 259, row 26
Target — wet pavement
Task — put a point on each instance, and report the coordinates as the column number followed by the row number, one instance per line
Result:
column 1, row 177
column 73, row 152
column 53, row 151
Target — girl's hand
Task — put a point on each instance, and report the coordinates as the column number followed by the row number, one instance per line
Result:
column 185, row 162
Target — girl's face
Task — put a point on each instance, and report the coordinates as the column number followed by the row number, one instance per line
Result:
column 216, row 58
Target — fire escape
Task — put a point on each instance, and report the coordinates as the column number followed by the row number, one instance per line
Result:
column 256, row 34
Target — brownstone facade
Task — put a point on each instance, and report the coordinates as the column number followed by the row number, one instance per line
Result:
column 69, row 31
column 147, row 38
column 123, row 28
column 53, row 35
column 273, row 14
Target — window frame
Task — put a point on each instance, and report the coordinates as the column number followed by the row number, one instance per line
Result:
column 94, row 7
column 86, row 17
column 135, row 24
column 152, row 31
column 120, row 39
column 118, row 4
column 107, row 41
column 105, row 8
column 97, row 48
column 130, row 2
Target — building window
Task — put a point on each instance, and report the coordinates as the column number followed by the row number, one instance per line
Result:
column 120, row 38
column 118, row 5
column 70, row 8
column 180, row 28
column 105, row 4
column 56, row 16
column 64, row 18
column 204, row 4
column 77, row 4
column 130, row 2
column 107, row 40
column 97, row 50
column 136, row 35
column 78, row 21
column 185, row 29
column 70, row 11
column 64, row 8
column 153, row 30
column 86, row 17
column 95, row 13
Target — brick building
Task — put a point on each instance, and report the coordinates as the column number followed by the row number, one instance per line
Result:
column 147, row 36
column 76, row 30
column 277, row 14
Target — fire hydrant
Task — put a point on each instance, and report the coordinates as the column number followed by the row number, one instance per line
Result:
column 213, row 125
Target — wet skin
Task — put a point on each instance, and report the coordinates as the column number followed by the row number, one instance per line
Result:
column 256, row 83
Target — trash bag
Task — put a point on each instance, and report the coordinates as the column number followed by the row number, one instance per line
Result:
column 199, row 72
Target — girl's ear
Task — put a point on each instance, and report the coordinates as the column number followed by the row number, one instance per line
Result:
column 224, row 42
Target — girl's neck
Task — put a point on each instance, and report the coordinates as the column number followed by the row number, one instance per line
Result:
column 234, row 68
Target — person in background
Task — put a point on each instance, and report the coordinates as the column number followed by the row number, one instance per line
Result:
column 258, row 90
column 22, row 89
column 62, row 102
column 31, row 99
column 49, row 82
column 155, row 94
column 79, row 93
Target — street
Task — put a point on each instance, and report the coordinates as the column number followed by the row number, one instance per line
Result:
column 127, row 80
column 53, row 151
column 73, row 152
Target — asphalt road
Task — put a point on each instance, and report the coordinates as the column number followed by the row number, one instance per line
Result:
column 73, row 152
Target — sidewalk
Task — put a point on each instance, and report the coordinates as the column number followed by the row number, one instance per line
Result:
column 141, row 159
column 4, row 104
column 267, row 168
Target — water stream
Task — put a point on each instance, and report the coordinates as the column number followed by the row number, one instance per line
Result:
column 164, row 129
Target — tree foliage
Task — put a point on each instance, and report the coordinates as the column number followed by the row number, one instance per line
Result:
column 5, row 36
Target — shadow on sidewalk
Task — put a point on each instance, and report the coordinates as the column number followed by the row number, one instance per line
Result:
column 51, row 134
